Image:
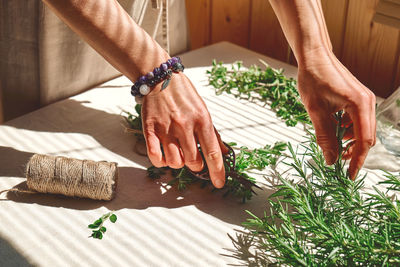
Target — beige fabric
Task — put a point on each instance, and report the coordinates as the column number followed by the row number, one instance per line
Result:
column 157, row 225
column 42, row 60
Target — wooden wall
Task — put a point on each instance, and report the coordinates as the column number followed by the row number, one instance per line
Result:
column 371, row 51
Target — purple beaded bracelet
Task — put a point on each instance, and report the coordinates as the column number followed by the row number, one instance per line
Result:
column 163, row 73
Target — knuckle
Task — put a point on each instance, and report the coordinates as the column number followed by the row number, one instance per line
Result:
column 368, row 142
column 364, row 96
column 148, row 125
column 323, row 139
column 324, row 142
column 213, row 155
column 152, row 152
column 203, row 117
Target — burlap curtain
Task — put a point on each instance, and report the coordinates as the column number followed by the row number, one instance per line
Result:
column 42, row 60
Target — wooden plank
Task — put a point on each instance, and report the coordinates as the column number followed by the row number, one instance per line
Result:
column 266, row 35
column 396, row 78
column 230, row 21
column 1, row 106
column 199, row 19
column 369, row 48
column 335, row 13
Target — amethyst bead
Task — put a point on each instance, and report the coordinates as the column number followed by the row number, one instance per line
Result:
column 163, row 67
column 174, row 60
column 134, row 91
column 169, row 63
column 150, row 75
column 142, row 79
column 156, row 71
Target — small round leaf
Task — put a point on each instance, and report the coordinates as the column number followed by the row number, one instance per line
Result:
column 113, row 218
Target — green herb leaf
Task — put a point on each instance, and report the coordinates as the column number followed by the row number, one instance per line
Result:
column 98, row 222
column 113, row 218
column 93, row 226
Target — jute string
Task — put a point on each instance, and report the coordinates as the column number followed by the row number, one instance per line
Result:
column 71, row 177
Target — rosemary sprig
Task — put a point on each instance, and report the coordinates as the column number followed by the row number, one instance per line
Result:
column 325, row 219
column 98, row 230
column 269, row 86
column 246, row 160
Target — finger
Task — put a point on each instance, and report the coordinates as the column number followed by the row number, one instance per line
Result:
column 223, row 147
column 349, row 133
column 326, row 134
column 173, row 156
column 191, row 154
column 364, row 137
column 213, row 155
column 154, row 150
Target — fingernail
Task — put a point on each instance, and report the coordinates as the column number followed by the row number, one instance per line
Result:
column 219, row 183
column 330, row 157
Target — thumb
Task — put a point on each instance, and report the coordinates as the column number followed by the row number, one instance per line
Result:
column 325, row 131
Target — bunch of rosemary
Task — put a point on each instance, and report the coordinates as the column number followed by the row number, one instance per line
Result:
column 269, row 86
column 320, row 218
column 325, row 219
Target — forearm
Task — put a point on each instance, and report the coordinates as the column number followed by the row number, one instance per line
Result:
column 106, row 26
column 304, row 26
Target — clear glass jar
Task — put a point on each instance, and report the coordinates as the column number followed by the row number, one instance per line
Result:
column 388, row 123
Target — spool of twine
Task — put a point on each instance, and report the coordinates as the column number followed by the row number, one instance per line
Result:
column 72, row 177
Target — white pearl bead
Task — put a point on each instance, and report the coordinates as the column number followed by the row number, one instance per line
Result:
column 144, row 89
column 139, row 99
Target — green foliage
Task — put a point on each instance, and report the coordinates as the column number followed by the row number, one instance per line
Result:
column 259, row 158
column 246, row 160
column 269, row 86
column 97, row 227
column 325, row 219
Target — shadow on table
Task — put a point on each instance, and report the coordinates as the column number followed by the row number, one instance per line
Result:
column 10, row 257
column 134, row 191
column 247, row 251
column 71, row 116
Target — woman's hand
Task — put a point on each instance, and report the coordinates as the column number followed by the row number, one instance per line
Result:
column 178, row 119
column 326, row 87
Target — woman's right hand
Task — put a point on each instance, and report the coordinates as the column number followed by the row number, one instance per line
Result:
column 178, row 119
